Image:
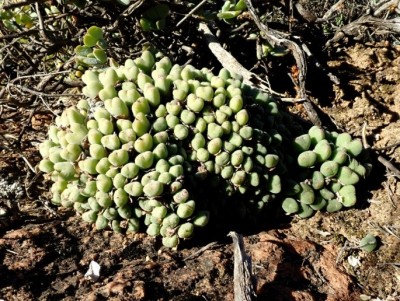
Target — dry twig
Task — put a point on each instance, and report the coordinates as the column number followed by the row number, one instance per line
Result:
column 129, row 10
column 390, row 194
column 228, row 61
column 242, row 274
column 385, row 6
column 20, row 3
column 396, row 144
column 358, row 26
column 25, row 89
column 330, row 11
column 201, row 250
column 277, row 38
column 390, row 166
column 331, row 76
column 364, row 136
column 385, row 229
column 41, row 24
column 191, row 12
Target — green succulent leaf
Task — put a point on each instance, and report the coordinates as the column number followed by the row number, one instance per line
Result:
column 100, row 55
column 83, row 51
column 290, row 205
column 368, row 243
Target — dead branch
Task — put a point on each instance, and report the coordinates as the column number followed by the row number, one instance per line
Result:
column 131, row 8
column 390, row 194
column 231, row 64
column 201, row 250
column 385, row 6
column 37, row 93
column 389, row 166
column 21, row 3
column 356, row 27
column 41, row 24
column 19, row 34
column 242, row 273
column 277, row 38
column 393, row 145
column 333, row 8
column 381, row 159
column 364, row 136
column 191, row 12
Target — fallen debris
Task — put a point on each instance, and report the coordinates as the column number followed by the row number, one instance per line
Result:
column 93, row 272
column 242, row 275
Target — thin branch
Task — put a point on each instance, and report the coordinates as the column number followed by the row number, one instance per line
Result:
column 395, row 264
column 27, row 57
column 47, row 106
column 40, row 75
column 8, row 146
column 19, row 4
column 330, row 11
column 26, row 124
column 390, row 25
column 41, row 24
column 19, row 34
column 364, row 136
column 28, row 163
column 390, row 231
column 291, row 13
column 331, row 76
column 386, row 6
column 306, row 14
column 341, row 251
column 385, row 229
column 191, row 12
column 389, row 194
column 389, row 166
column 201, row 250
column 131, row 8
column 25, row 89
column 387, row 147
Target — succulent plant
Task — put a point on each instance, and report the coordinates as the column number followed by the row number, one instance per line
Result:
column 92, row 54
column 166, row 148
column 328, row 168
column 154, row 17
column 231, row 9
column 368, row 243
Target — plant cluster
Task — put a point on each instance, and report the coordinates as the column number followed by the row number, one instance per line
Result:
column 167, row 147
column 92, row 53
column 231, row 9
column 328, row 168
column 154, row 18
